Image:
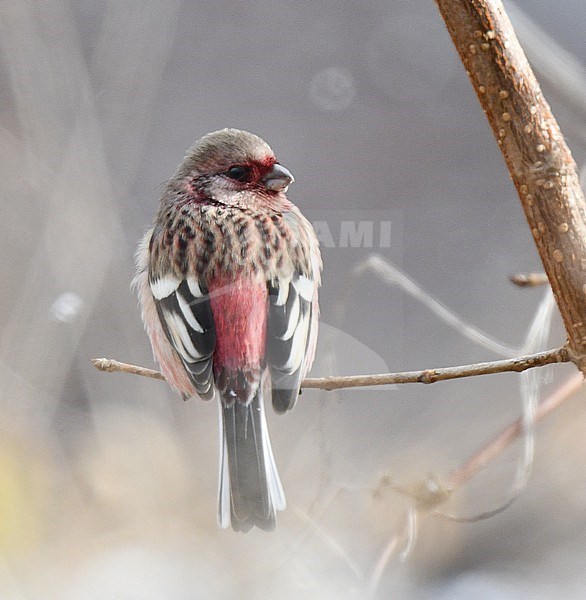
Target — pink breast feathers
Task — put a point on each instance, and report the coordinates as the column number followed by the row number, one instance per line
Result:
column 240, row 309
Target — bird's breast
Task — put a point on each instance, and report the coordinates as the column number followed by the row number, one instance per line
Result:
column 239, row 307
column 212, row 242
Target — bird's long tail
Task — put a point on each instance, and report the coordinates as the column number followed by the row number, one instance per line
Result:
column 250, row 488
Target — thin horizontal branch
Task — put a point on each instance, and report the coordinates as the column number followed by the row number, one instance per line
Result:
column 521, row 363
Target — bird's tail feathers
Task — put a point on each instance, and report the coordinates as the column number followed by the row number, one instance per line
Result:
column 250, row 489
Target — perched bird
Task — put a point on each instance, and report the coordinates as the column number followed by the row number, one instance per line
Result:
column 227, row 281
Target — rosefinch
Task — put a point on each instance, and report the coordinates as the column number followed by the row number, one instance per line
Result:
column 227, row 280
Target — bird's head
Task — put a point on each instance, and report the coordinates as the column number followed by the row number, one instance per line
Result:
column 232, row 166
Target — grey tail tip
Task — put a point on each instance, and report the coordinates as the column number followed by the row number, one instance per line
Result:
column 265, row 524
column 250, row 491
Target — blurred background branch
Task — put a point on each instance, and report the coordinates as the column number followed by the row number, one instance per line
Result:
column 479, row 460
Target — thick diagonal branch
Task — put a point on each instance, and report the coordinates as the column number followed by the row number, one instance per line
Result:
column 538, row 159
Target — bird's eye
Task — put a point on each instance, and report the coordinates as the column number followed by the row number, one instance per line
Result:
column 239, row 173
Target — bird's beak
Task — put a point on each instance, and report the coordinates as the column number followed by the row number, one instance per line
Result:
column 278, row 179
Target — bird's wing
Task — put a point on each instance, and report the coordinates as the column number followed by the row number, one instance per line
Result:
column 183, row 306
column 290, row 320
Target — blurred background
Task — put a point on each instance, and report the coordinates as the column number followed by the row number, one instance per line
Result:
column 108, row 481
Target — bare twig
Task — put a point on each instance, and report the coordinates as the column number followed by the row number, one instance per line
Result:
column 110, row 365
column 518, row 364
column 529, row 279
column 538, row 159
column 521, row 363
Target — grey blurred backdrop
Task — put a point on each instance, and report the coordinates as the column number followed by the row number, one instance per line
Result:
column 108, row 481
